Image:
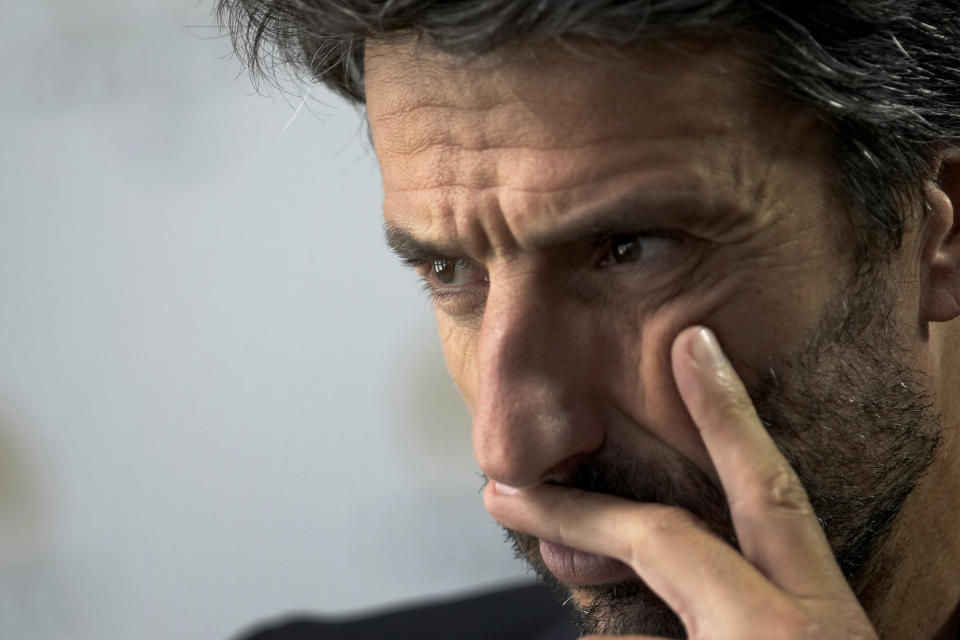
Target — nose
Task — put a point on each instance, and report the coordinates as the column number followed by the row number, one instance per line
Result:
column 534, row 411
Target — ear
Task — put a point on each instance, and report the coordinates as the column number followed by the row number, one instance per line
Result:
column 941, row 253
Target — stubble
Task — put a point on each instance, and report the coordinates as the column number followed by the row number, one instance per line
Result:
column 849, row 415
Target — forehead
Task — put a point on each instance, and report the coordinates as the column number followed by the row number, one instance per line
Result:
column 529, row 136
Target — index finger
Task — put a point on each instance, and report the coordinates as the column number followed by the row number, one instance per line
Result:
column 776, row 527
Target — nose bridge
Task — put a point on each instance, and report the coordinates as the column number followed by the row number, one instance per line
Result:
column 533, row 412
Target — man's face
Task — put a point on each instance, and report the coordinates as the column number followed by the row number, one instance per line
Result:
column 572, row 212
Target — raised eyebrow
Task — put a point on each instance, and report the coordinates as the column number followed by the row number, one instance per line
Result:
column 412, row 250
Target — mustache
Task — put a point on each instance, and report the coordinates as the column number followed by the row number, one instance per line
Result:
column 663, row 477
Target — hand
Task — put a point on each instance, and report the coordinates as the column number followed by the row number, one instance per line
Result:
column 786, row 583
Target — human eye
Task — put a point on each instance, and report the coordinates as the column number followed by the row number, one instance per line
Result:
column 457, row 285
column 638, row 247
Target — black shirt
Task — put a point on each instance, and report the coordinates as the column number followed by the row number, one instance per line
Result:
column 520, row 613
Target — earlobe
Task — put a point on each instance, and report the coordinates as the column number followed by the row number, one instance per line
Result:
column 941, row 297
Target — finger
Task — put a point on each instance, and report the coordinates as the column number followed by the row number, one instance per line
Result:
column 697, row 574
column 776, row 527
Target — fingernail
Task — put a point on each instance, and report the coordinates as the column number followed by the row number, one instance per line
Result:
column 705, row 350
column 504, row 489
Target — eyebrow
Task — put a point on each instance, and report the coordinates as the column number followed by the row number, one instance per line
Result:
column 636, row 212
column 412, row 250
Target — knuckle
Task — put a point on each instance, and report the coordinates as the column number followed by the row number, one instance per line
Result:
column 778, row 490
column 667, row 525
column 671, row 522
column 796, row 624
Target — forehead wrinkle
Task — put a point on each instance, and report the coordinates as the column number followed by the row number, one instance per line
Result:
column 481, row 113
column 548, row 199
column 512, row 126
column 542, row 169
column 414, row 130
column 417, row 75
column 500, row 222
column 450, row 143
column 434, row 137
column 488, row 141
column 465, row 220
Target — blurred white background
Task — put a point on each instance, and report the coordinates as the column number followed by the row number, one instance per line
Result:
column 221, row 399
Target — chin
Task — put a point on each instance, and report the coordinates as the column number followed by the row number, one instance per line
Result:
column 620, row 609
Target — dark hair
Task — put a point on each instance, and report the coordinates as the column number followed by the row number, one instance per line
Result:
column 884, row 75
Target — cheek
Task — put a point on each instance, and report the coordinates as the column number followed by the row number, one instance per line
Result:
column 756, row 326
column 661, row 411
column 459, row 352
column 747, row 337
column 759, row 326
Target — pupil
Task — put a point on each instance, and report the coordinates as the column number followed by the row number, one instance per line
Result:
column 626, row 250
column 444, row 270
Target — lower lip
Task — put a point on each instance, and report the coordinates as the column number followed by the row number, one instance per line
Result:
column 574, row 567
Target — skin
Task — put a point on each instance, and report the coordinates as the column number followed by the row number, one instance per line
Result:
column 513, row 165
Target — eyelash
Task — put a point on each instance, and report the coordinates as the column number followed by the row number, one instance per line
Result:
column 435, row 294
column 438, row 294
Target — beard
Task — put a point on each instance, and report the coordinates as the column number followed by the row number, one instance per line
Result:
column 848, row 414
